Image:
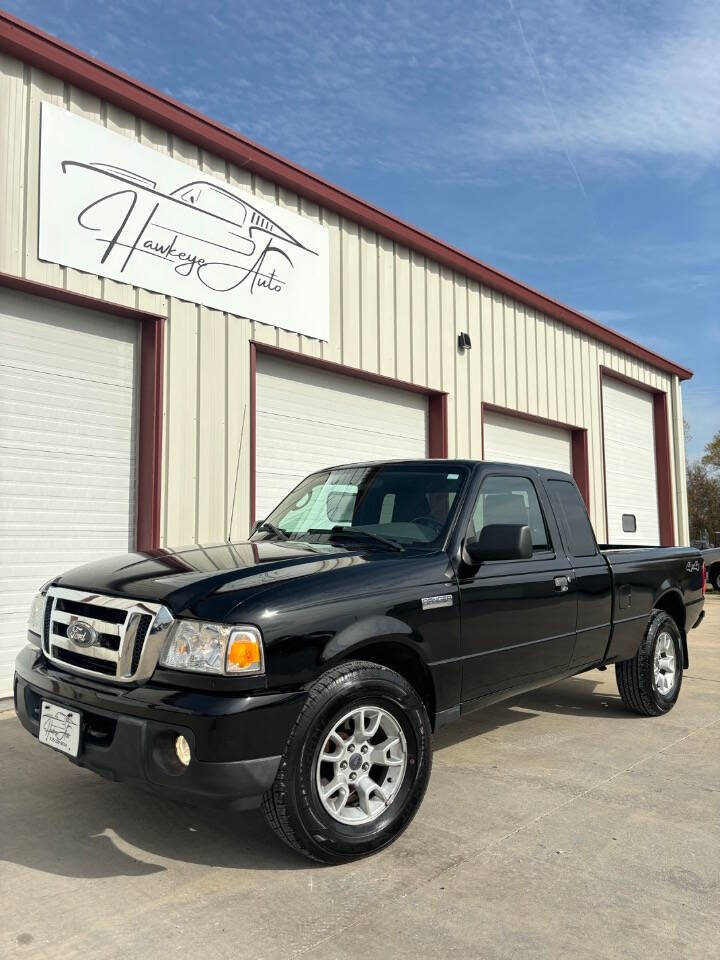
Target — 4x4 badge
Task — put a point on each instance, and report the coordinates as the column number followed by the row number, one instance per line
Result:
column 432, row 603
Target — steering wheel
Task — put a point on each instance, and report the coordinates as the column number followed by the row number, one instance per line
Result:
column 431, row 522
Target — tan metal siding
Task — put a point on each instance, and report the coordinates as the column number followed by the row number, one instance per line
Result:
column 392, row 312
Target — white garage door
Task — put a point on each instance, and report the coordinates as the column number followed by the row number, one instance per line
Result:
column 307, row 418
column 512, row 440
column 630, row 471
column 67, row 444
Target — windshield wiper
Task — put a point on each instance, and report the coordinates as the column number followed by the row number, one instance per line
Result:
column 268, row 527
column 355, row 533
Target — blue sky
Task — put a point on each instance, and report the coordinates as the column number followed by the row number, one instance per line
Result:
column 572, row 143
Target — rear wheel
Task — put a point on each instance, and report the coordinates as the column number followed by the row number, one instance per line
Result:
column 649, row 684
column 356, row 765
column 715, row 579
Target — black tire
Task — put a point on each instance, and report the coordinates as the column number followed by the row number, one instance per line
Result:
column 715, row 579
column 636, row 677
column 292, row 806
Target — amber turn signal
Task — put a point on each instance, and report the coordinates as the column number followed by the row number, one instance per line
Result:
column 244, row 653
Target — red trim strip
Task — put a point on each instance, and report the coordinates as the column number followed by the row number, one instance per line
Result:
column 579, row 441
column 149, row 470
column 253, row 428
column 39, row 49
column 521, row 415
column 149, row 479
column 437, row 401
column 581, row 464
column 661, row 439
column 341, row 368
column 662, row 464
column 437, row 426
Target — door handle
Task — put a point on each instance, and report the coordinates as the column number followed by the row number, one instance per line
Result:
column 562, row 584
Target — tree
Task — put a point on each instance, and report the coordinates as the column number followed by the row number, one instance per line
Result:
column 703, row 501
column 712, row 453
column 703, row 488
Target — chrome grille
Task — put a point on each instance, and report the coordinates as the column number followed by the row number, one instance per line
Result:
column 123, row 641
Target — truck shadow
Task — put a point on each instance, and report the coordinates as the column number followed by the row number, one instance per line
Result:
column 576, row 696
column 65, row 821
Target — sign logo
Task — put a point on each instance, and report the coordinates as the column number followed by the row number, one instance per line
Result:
column 82, row 633
column 692, row 566
column 113, row 207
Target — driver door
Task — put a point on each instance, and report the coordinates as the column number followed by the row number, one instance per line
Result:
column 518, row 616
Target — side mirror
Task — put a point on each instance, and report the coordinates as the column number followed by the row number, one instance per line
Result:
column 501, row 541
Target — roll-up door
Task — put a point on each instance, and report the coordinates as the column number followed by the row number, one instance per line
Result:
column 68, row 410
column 510, row 439
column 630, row 468
column 308, row 418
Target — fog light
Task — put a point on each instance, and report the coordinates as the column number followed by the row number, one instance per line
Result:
column 182, row 749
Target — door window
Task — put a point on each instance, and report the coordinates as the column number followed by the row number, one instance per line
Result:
column 510, row 500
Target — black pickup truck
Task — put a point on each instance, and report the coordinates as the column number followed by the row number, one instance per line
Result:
column 306, row 668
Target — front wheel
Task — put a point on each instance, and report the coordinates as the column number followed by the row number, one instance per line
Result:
column 715, row 579
column 649, row 684
column 355, row 767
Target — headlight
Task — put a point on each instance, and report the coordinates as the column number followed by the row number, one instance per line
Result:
column 213, row 648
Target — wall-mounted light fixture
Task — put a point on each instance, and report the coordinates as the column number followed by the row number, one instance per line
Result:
column 464, row 342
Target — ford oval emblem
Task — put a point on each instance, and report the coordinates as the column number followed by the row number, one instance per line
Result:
column 81, row 633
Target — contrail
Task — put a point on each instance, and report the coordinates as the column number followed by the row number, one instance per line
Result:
column 549, row 105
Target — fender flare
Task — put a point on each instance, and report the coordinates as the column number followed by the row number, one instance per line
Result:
column 371, row 630
column 676, row 604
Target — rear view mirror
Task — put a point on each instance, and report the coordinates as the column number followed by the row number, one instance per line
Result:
column 501, row 541
column 339, row 506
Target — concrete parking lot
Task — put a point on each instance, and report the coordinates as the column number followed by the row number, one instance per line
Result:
column 556, row 825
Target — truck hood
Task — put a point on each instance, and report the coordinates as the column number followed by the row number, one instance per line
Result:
column 209, row 581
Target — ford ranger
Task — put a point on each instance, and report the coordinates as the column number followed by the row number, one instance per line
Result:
column 305, row 669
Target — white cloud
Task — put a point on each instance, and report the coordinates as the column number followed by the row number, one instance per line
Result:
column 449, row 88
column 443, row 87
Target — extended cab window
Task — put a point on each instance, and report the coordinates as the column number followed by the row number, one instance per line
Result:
column 510, row 500
column 573, row 519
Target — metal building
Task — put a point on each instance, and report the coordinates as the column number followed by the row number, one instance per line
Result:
column 190, row 324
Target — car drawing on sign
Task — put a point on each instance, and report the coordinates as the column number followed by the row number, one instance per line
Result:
column 130, row 215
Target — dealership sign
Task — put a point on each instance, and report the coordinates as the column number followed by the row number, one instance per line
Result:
column 115, row 208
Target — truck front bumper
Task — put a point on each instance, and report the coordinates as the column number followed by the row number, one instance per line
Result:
column 236, row 740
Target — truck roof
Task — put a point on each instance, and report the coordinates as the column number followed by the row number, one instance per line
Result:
column 449, row 462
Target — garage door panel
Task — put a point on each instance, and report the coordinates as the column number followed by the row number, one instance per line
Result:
column 42, row 473
column 307, row 419
column 67, row 393
column 44, row 344
column 304, row 434
column 630, row 467
column 511, row 439
column 334, row 398
column 30, row 402
column 68, row 411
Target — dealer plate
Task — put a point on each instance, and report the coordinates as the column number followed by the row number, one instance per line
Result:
column 60, row 728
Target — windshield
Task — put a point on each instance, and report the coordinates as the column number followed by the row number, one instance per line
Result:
column 406, row 505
